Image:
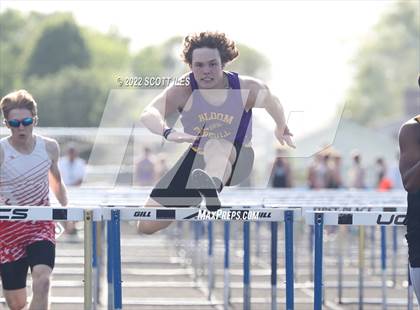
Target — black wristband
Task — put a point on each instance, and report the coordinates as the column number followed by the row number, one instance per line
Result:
column 167, row 132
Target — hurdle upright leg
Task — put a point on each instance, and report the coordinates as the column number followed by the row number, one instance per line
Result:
column 383, row 266
column 95, row 265
column 247, row 267
column 274, row 230
column 340, row 264
column 88, row 216
column 288, row 229
column 361, row 265
column 110, row 262
column 115, row 222
column 110, row 256
column 318, row 265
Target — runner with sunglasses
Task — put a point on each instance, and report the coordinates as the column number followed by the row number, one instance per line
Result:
column 215, row 109
column 28, row 168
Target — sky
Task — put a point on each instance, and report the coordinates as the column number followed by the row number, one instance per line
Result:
column 310, row 44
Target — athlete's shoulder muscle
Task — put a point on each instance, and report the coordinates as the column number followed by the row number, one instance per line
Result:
column 258, row 91
column 52, row 148
column 409, row 140
column 174, row 97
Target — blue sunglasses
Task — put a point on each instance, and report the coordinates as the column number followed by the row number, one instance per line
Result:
column 27, row 121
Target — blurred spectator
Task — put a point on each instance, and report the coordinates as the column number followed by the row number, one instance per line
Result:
column 383, row 183
column 281, row 175
column 380, row 170
column 334, row 171
column 317, row 172
column 357, row 172
column 145, row 173
column 73, row 169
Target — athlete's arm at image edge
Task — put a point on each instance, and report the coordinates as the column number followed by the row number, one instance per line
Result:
column 409, row 158
column 56, row 183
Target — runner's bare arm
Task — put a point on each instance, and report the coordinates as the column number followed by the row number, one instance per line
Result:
column 56, row 183
column 260, row 96
column 170, row 101
column 409, row 140
column 165, row 104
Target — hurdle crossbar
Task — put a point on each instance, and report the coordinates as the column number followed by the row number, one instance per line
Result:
column 357, row 218
column 46, row 213
column 246, row 213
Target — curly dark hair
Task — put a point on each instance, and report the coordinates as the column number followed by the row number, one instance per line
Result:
column 226, row 47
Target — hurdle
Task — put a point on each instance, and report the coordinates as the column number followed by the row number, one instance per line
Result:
column 44, row 213
column 394, row 207
column 300, row 200
column 321, row 218
column 307, row 200
column 116, row 213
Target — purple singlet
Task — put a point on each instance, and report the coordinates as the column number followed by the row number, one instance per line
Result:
column 227, row 121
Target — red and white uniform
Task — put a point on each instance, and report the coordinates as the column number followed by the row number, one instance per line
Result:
column 23, row 182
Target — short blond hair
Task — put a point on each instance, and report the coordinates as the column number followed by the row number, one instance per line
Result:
column 20, row 99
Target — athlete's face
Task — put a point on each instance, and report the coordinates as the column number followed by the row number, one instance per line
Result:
column 22, row 118
column 207, row 67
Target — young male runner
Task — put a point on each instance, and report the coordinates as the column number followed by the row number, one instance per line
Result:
column 215, row 109
column 28, row 168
